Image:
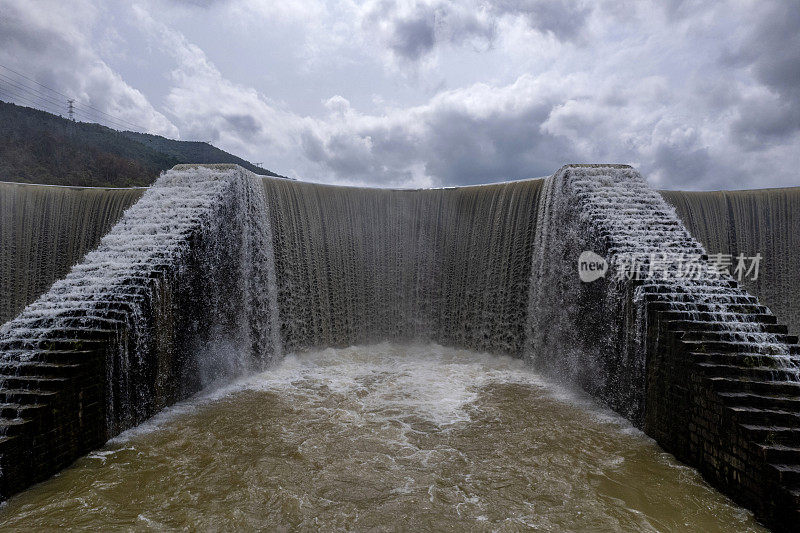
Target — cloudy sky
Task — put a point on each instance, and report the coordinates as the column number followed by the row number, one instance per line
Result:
column 696, row 94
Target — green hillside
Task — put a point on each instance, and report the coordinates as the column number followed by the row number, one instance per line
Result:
column 39, row 147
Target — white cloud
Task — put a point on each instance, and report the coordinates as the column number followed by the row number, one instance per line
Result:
column 52, row 43
column 696, row 94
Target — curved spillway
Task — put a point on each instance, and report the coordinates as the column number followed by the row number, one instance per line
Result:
column 765, row 222
column 44, row 230
column 214, row 273
column 449, row 265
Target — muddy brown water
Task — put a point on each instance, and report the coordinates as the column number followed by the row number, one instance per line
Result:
column 381, row 437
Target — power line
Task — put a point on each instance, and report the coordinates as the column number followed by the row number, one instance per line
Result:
column 20, row 95
column 114, row 117
column 34, row 81
column 110, row 119
column 15, row 96
column 117, row 122
column 24, row 87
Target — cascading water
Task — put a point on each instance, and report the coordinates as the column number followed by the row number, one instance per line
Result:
column 594, row 334
column 237, row 259
column 765, row 222
column 357, row 265
column 46, row 229
column 186, row 272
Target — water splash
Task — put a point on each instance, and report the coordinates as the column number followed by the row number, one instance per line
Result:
column 187, row 271
column 595, row 334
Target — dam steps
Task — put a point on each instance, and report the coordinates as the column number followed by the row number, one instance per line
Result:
column 694, row 340
column 759, row 393
column 123, row 334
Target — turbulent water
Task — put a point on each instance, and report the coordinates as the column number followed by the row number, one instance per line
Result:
column 381, row 436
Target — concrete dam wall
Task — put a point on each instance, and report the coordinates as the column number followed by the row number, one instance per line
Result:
column 215, row 273
column 44, row 230
column 765, row 222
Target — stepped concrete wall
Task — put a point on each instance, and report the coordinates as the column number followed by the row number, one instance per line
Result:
column 44, row 230
column 721, row 389
column 120, row 336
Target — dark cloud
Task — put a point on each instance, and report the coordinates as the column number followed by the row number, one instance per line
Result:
column 684, row 163
column 412, row 32
column 462, row 138
column 463, row 148
column 771, row 51
column 414, row 37
column 246, row 126
column 563, row 18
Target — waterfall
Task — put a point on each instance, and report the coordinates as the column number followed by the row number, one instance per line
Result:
column 765, row 222
column 357, row 265
column 584, row 333
column 236, row 258
column 595, row 334
column 46, row 229
column 183, row 288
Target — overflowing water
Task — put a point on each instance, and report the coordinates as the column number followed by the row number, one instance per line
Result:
column 383, row 436
column 189, row 269
column 44, row 230
column 595, row 334
column 765, row 222
column 359, row 265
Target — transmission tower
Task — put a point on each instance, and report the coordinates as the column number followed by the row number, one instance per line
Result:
column 71, row 109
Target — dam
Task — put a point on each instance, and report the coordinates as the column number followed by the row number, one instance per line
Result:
column 121, row 303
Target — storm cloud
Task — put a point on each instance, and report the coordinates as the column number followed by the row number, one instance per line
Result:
column 697, row 95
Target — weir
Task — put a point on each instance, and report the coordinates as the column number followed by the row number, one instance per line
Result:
column 44, row 230
column 765, row 222
column 215, row 273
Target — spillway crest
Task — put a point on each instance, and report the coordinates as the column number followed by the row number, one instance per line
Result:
column 180, row 292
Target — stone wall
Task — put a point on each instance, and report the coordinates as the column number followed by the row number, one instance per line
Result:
column 136, row 325
column 719, row 378
column 44, row 230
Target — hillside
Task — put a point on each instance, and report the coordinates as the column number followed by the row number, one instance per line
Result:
column 39, row 147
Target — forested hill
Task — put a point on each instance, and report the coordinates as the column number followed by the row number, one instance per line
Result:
column 39, row 147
